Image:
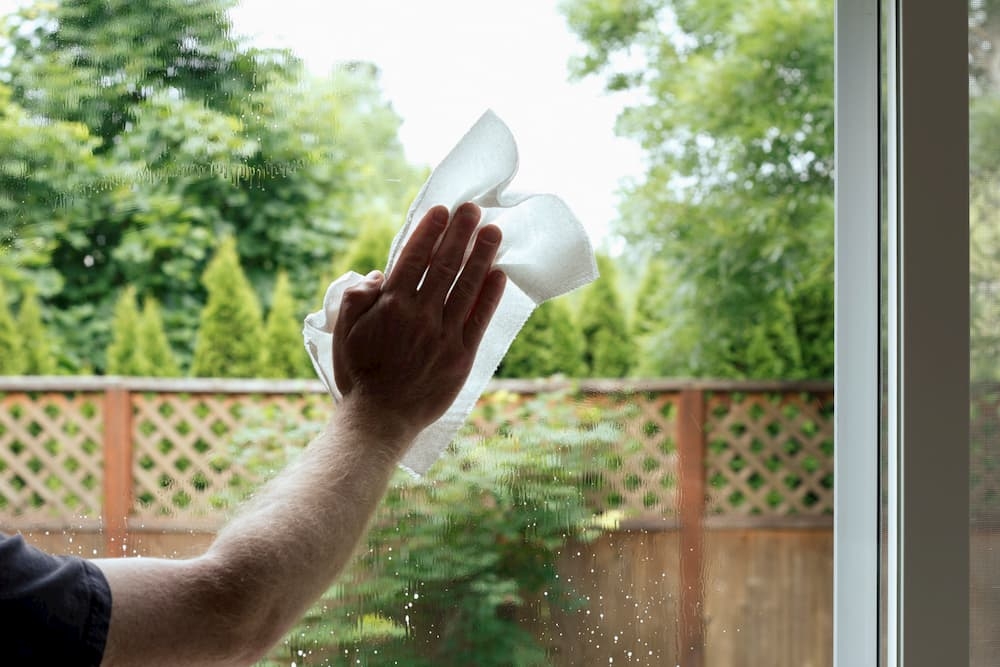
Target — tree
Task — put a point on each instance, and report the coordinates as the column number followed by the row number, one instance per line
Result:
column 139, row 344
column 609, row 350
column 230, row 335
column 11, row 342
column 369, row 251
column 651, row 318
column 737, row 199
column 124, row 356
column 984, row 191
column 157, row 357
column 567, row 340
column 42, row 166
column 159, row 137
column 96, row 61
column 282, row 353
column 39, row 358
column 548, row 344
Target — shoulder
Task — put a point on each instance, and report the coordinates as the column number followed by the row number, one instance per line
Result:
column 57, row 608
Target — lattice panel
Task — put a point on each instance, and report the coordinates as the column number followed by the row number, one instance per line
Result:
column 639, row 477
column 984, row 437
column 769, row 454
column 185, row 457
column 50, row 455
column 642, row 474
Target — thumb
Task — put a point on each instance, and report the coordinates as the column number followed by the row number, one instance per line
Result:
column 357, row 300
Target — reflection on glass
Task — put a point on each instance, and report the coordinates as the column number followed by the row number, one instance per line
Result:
column 171, row 169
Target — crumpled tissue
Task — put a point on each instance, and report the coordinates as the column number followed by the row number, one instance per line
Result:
column 545, row 252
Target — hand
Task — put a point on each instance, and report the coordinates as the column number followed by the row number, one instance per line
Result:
column 403, row 348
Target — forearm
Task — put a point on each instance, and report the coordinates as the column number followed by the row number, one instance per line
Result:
column 267, row 566
column 293, row 539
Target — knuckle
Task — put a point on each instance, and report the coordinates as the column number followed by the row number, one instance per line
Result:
column 446, row 266
column 476, row 319
column 391, row 302
column 353, row 296
column 461, row 292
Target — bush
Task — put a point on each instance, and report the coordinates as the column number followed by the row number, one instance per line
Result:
column 154, row 347
column 456, row 559
column 609, row 350
column 230, row 330
column 12, row 360
column 549, row 344
column 123, row 356
column 38, row 355
column 282, row 354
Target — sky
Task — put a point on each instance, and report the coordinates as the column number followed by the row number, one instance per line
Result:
column 444, row 62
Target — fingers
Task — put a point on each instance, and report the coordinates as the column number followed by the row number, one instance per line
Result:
column 482, row 312
column 416, row 254
column 447, row 261
column 470, row 283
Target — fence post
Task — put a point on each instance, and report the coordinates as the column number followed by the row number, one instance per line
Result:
column 691, row 447
column 117, row 469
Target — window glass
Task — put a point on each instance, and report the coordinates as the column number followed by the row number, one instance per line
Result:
column 984, row 277
column 170, row 169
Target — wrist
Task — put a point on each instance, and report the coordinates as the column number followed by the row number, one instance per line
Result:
column 381, row 429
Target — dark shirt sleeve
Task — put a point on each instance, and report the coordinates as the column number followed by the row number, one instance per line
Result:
column 54, row 610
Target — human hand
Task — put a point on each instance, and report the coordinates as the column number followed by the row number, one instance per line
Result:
column 401, row 352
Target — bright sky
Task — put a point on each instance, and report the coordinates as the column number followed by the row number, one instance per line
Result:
column 444, row 62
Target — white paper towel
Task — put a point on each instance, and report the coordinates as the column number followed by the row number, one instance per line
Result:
column 545, row 252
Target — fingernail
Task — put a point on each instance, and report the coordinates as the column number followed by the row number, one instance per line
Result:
column 490, row 234
column 439, row 215
column 373, row 275
column 468, row 211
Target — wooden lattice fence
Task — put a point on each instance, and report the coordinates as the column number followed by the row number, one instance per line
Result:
column 984, row 464
column 50, row 455
column 161, row 452
column 705, row 470
column 770, row 453
column 133, row 455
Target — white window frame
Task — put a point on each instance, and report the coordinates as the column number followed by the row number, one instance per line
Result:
column 926, row 320
column 856, row 375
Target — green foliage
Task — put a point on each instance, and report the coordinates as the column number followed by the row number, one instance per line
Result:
column 155, row 348
column 126, row 162
column 650, row 304
column 122, row 51
column 369, row 251
column 550, row 343
column 773, row 349
column 282, row 353
column 41, row 165
column 230, row 333
column 453, row 559
column 139, row 345
column 124, row 356
column 11, row 342
column 737, row 200
column 609, row 350
column 651, row 318
column 984, row 39
column 984, row 192
column 984, row 269
column 39, row 358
